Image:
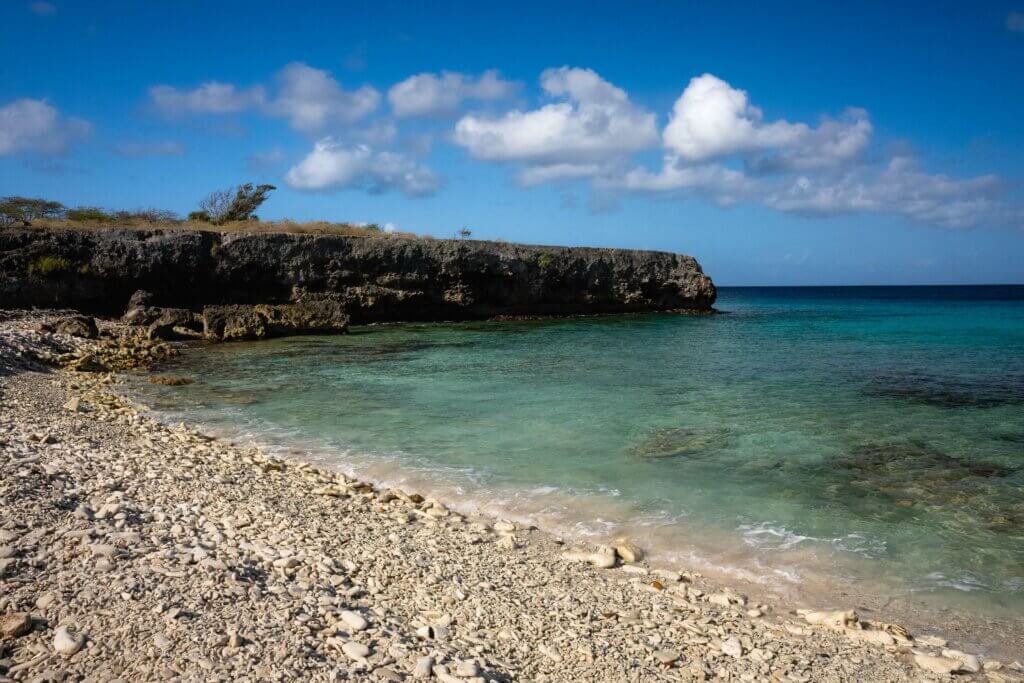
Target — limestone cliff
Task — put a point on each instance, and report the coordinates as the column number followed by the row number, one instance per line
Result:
column 376, row 278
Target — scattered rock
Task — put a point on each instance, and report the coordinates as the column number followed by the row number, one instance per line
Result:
column 629, row 552
column 77, row 326
column 354, row 650
column 424, row 667
column 15, row 625
column 732, row 647
column 67, row 642
column 354, row 621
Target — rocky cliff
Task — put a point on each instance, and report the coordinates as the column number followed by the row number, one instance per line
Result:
column 375, row 278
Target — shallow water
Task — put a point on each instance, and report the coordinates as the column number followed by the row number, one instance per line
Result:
column 857, row 436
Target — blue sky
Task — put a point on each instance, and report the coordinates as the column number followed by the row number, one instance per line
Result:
column 801, row 143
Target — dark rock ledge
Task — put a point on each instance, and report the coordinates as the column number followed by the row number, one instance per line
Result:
column 234, row 286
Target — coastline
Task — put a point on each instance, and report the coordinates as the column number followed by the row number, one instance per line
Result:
column 330, row 574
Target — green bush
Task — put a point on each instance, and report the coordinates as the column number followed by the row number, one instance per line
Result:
column 545, row 261
column 88, row 213
column 47, row 265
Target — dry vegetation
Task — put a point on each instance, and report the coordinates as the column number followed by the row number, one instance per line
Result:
column 282, row 226
column 231, row 210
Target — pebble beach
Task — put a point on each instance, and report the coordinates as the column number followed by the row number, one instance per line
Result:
column 134, row 550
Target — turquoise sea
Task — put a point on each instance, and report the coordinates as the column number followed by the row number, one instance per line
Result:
column 841, row 437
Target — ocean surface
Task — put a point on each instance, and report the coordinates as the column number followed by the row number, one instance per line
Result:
column 865, row 439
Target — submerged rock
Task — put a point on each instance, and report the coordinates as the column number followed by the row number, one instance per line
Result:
column 949, row 392
column 670, row 442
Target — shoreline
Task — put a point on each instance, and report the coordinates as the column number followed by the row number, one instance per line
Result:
column 997, row 636
column 369, row 581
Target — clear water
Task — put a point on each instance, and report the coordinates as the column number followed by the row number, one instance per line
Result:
column 845, row 435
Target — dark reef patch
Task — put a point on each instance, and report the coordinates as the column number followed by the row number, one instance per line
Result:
column 948, row 392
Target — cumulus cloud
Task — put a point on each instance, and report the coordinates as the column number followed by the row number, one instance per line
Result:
column 139, row 150
column 711, row 119
column 28, row 125
column 212, row 97
column 1015, row 22
column 718, row 146
column 311, row 99
column 594, row 123
column 332, row 165
column 429, row 94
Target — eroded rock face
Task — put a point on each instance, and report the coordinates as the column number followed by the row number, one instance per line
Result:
column 311, row 315
column 374, row 278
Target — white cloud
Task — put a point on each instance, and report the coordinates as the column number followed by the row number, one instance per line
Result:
column 311, row 99
column 332, row 165
column 722, row 184
column 430, row 94
column 28, row 125
column 43, row 9
column 596, row 122
column 535, row 175
column 139, row 150
column 1015, row 22
column 212, row 97
column 711, row 119
column 900, row 188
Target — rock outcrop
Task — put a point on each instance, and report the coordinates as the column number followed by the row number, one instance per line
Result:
column 367, row 279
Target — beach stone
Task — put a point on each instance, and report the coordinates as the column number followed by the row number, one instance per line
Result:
column 46, row 600
column 837, row 619
column 968, row 662
column 937, row 665
column 77, row 326
column 732, row 647
column 931, row 641
column 15, row 625
column 67, row 642
column 354, row 621
column 467, row 668
column 629, row 552
column 424, row 667
column 354, row 650
column 666, row 657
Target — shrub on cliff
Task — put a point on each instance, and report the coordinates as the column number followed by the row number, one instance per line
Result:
column 89, row 214
column 24, row 210
column 232, row 204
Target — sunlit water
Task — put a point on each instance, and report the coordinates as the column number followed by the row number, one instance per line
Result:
column 806, row 434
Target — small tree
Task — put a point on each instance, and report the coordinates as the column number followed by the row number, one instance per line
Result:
column 465, row 232
column 232, row 204
column 24, row 210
